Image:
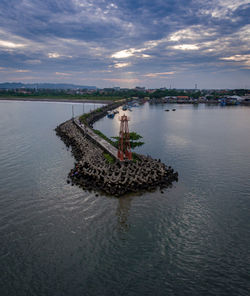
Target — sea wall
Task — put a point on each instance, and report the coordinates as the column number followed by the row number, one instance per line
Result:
column 93, row 172
column 99, row 113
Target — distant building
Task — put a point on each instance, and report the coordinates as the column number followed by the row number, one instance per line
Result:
column 140, row 88
column 150, row 91
column 108, row 89
column 237, row 98
column 22, row 91
column 182, row 97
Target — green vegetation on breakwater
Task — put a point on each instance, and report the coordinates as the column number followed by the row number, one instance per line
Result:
column 109, row 158
column 86, row 115
column 133, row 138
column 100, row 134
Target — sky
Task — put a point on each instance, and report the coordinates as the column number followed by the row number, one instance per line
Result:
column 126, row 43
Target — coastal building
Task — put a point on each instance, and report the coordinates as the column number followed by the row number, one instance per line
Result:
column 182, row 97
column 139, row 88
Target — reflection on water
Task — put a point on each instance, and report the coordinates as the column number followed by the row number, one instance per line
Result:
column 122, row 212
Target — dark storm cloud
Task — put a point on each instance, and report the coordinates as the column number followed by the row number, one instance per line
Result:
column 129, row 39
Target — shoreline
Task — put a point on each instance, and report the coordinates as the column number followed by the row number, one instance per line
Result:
column 99, row 101
column 55, row 100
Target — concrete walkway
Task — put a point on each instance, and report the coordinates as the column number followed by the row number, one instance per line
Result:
column 103, row 143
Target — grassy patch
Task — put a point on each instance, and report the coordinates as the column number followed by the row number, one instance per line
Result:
column 109, row 158
column 104, row 137
column 135, row 157
column 83, row 118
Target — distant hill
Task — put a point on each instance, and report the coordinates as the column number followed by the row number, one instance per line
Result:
column 13, row 85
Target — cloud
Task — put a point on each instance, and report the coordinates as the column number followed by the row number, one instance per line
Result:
column 196, row 32
column 126, row 53
column 237, row 57
column 124, row 82
column 153, row 75
column 54, row 55
column 9, row 44
column 33, row 62
column 186, row 47
column 87, row 36
column 12, row 70
column 123, row 53
column 63, row 74
column 242, row 59
column 221, row 9
column 121, row 65
column 22, row 71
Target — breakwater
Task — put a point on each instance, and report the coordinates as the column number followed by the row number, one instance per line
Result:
column 92, row 171
column 90, row 118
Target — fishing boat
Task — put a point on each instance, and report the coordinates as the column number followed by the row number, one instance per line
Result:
column 111, row 115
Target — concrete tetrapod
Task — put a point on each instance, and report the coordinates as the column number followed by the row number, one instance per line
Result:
column 92, row 171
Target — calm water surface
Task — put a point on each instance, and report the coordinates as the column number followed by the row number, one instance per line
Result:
column 191, row 240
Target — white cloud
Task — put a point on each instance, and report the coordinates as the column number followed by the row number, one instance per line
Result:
column 121, row 65
column 131, row 52
column 12, row 70
column 220, row 8
column 22, row 71
column 63, row 74
column 126, row 53
column 186, row 47
column 243, row 59
column 196, row 32
column 54, row 55
column 11, row 45
column 158, row 74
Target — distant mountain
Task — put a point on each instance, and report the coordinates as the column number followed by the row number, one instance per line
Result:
column 13, row 85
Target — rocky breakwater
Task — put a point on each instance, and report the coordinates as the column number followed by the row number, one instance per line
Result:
column 90, row 118
column 93, row 171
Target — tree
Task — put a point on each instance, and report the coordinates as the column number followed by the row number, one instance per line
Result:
column 133, row 140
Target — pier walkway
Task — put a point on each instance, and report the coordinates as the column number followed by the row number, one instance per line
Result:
column 103, row 143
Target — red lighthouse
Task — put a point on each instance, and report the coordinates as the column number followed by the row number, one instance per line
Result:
column 124, row 149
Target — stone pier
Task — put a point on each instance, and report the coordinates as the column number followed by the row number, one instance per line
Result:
column 96, row 138
column 93, row 172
